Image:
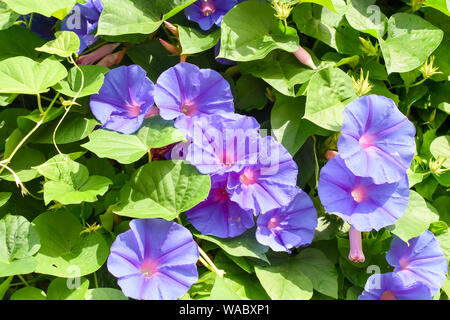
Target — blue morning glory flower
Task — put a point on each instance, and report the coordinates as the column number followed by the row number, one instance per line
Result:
column 209, row 12
column 41, row 25
column 185, row 90
column 358, row 200
column 220, row 143
column 218, row 215
column 154, row 260
column 423, row 260
column 266, row 183
column 83, row 20
column 389, row 286
column 124, row 99
column 289, row 226
column 377, row 140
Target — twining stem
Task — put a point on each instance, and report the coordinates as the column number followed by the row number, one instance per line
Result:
column 31, row 20
column 68, row 107
column 95, row 279
column 39, row 103
column 204, row 256
column 23, row 280
column 38, row 124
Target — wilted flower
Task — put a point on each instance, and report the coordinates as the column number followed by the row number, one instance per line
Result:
column 220, row 142
column 422, row 260
column 124, row 99
column 209, row 12
column 98, row 54
column 266, row 184
column 289, row 226
column 155, row 260
column 218, row 215
column 83, row 20
column 377, row 140
column 389, row 286
column 186, row 91
column 358, row 200
column 428, row 69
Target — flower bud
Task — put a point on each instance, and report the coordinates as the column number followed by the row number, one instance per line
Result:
column 356, row 252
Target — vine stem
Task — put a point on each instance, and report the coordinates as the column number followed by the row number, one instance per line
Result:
column 23, row 280
column 24, row 139
column 68, row 107
column 39, row 103
column 204, row 256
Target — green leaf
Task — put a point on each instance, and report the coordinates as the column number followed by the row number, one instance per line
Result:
column 23, row 75
column 244, row 245
column 44, row 7
column 325, row 3
column 104, row 294
column 416, row 219
column 137, row 16
column 288, row 127
column 193, row 41
column 223, row 291
column 29, row 293
column 410, row 41
column 364, row 16
column 285, row 280
column 93, row 81
column 444, row 242
column 19, row 241
column 65, row 44
column 320, row 270
column 164, row 189
column 155, row 133
column 23, row 163
column 281, row 70
column 250, row 93
column 70, row 182
column 4, row 197
column 328, row 92
column 7, row 17
column 65, row 251
column 19, row 41
column 327, row 26
column 440, row 147
column 441, row 5
column 67, row 289
column 250, row 31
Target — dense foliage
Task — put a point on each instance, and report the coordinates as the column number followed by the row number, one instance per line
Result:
column 106, row 107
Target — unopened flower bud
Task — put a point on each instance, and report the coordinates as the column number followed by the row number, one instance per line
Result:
column 304, row 57
column 356, row 252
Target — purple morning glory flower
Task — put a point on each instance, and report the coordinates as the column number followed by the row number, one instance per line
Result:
column 186, row 91
column 41, row 25
column 155, row 260
column 218, row 215
column 266, row 184
column 377, row 140
column 83, row 20
column 358, row 200
column 209, row 12
column 389, row 286
column 124, row 99
column 220, row 143
column 223, row 61
column 290, row 226
column 423, row 260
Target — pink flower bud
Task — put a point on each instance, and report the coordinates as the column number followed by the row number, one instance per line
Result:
column 172, row 28
column 330, row 154
column 170, row 47
column 112, row 59
column 98, row 54
column 304, row 57
column 356, row 252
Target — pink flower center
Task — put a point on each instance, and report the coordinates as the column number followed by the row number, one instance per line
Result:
column 366, row 141
column 133, row 109
column 388, row 295
column 403, row 263
column 248, row 177
column 208, row 8
column 273, row 223
column 149, row 268
column 188, row 108
column 359, row 194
